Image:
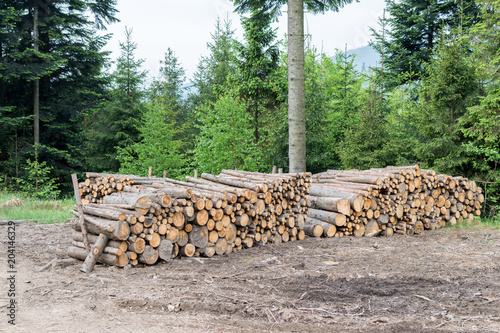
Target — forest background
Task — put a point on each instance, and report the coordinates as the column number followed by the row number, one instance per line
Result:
column 433, row 99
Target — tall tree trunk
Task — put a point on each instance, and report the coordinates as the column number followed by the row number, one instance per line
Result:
column 36, row 85
column 296, row 87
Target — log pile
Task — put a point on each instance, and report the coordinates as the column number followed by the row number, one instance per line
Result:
column 402, row 200
column 144, row 219
column 128, row 219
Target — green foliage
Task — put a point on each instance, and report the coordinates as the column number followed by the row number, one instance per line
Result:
column 274, row 6
column 448, row 90
column 364, row 142
column 69, row 65
column 115, row 123
column 167, row 90
column 331, row 100
column 481, row 126
column 211, row 77
column 225, row 140
column 414, row 28
column 26, row 207
column 484, row 38
column 38, row 183
column 258, row 61
column 156, row 149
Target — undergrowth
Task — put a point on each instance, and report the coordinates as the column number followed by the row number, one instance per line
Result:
column 478, row 223
column 19, row 206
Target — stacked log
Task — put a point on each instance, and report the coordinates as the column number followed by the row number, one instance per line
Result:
column 151, row 218
column 402, row 200
column 98, row 185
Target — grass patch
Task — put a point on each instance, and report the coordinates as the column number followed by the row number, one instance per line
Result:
column 17, row 206
column 478, row 223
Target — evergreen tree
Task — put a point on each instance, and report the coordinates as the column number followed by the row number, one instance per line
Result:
column 156, row 147
column 296, row 86
column 364, row 144
column 117, row 122
column 257, row 64
column 484, row 38
column 66, row 59
column 211, row 77
column 167, row 90
column 481, row 127
column 448, row 90
column 481, row 123
column 225, row 140
column 332, row 90
column 414, row 29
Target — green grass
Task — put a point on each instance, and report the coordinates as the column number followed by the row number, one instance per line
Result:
column 478, row 223
column 42, row 211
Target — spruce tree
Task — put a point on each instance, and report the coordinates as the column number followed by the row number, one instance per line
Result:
column 168, row 90
column 67, row 61
column 448, row 90
column 296, row 83
column 225, row 140
column 414, row 28
column 117, row 122
column 258, row 62
column 156, row 148
column 211, row 78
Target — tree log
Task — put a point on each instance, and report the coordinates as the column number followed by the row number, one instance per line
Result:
column 149, row 256
column 108, row 259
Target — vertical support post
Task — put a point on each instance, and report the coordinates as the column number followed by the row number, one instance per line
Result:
column 74, row 179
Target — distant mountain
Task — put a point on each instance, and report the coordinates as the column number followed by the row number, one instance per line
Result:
column 365, row 57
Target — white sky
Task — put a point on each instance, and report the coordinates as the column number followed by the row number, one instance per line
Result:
column 185, row 27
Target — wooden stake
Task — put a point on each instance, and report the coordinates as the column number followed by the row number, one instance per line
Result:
column 93, row 256
column 80, row 210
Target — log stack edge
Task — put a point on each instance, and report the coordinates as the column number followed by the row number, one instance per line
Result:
column 147, row 219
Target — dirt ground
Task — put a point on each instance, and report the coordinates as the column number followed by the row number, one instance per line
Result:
column 446, row 280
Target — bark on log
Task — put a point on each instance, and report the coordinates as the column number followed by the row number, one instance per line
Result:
column 77, row 236
column 149, row 256
column 116, row 230
column 198, row 236
column 138, row 200
column 340, row 205
column 108, row 259
column 166, row 250
column 336, row 219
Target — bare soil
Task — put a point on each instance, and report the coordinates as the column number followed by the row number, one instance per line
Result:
column 441, row 281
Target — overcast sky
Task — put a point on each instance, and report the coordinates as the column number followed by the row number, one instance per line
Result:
column 185, row 27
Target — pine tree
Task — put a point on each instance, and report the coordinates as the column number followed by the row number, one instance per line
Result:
column 117, row 122
column 258, row 62
column 156, row 148
column 414, row 30
column 296, row 86
column 225, row 140
column 211, row 77
column 448, row 90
